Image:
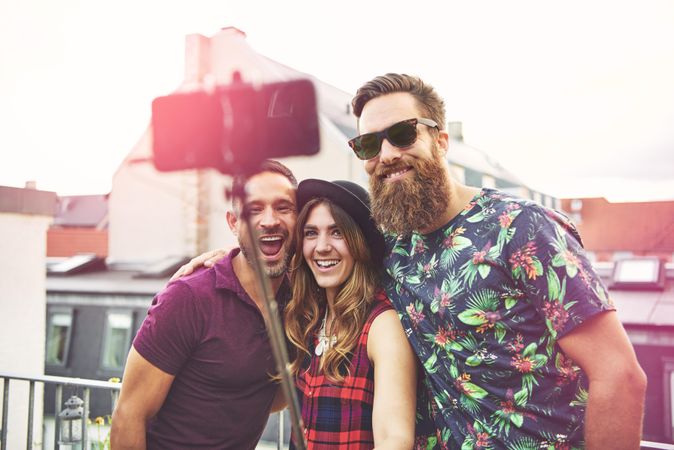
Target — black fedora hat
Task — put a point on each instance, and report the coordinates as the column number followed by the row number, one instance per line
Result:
column 353, row 199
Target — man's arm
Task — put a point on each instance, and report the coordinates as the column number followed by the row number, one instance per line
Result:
column 207, row 259
column 395, row 381
column 144, row 388
column 615, row 407
column 279, row 403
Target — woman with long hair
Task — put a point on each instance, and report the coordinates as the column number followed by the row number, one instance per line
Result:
column 355, row 371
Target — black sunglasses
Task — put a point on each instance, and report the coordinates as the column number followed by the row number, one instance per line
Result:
column 401, row 134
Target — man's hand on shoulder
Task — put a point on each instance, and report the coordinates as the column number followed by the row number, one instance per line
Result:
column 207, row 259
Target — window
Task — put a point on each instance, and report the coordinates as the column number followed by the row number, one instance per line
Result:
column 59, row 326
column 117, row 339
column 638, row 273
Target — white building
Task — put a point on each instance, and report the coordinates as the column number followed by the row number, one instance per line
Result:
column 25, row 215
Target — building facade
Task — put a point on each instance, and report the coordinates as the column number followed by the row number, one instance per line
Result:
column 25, row 215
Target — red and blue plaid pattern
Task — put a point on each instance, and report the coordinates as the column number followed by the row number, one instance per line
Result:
column 340, row 415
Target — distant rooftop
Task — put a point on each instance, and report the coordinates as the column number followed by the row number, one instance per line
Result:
column 641, row 307
column 88, row 273
column 639, row 227
column 111, row 282
column 82, row 211
column 27, row 201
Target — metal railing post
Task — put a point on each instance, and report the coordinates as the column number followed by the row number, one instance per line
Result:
column 85, row 428
column 31, row 410
column 58, row 397
column 5, row 413
column 280, row 431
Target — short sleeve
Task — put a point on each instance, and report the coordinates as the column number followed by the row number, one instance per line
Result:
column 548, row 262
column 171, row 329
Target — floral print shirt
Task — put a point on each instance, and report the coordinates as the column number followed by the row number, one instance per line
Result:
column 483, row 301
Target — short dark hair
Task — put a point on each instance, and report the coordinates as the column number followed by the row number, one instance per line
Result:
column 427, row 97
column 271, row 165
column 268, row 165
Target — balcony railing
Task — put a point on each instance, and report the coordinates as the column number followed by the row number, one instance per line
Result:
column 12, row 379
column 9, row 379
column 87, row 385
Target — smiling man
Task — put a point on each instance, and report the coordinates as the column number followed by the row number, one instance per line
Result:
column 198, row 374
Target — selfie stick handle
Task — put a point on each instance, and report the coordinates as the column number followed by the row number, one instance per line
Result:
column 274, row 328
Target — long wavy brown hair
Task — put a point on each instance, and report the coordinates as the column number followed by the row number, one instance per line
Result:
column 304, row 314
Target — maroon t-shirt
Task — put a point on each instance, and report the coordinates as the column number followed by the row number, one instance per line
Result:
column 208, row 332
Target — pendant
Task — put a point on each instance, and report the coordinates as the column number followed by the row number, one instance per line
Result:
column 320, row 347
column 324, row 342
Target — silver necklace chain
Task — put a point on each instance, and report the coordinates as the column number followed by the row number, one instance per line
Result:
column 324, row 342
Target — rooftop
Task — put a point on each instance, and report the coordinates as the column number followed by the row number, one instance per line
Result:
column 642, row 306
column 82, row 211
column 27, row 201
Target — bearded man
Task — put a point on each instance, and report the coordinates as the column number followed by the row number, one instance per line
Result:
column 199, row 372
column 520, row 344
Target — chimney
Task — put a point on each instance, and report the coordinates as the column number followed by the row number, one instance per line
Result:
column 31, row 184
column 234, row 30
column 197, row 59
column 454, row 129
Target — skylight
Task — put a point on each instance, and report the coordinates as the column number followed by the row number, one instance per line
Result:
column 638, row 273
column 85, row 262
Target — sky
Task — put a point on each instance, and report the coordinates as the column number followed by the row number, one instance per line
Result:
column 575, row 98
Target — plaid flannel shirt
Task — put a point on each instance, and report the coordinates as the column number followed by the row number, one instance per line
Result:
column 340, row 415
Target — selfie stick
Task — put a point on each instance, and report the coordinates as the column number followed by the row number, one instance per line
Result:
column 274, row 327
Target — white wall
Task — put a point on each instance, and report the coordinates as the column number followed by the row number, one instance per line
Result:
column 152, row 214
column 23, row 250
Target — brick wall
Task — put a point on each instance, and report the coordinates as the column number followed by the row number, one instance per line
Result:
column 72, row 240
column 643, row 228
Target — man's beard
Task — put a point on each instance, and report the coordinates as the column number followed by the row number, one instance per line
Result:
column 414, row 203
column 275, row 270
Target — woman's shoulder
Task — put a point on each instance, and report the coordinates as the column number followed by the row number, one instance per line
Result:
column 380, row 304
column 381, row 300
column 386, row 336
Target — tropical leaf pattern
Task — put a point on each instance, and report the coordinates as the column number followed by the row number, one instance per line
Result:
column 484, row 300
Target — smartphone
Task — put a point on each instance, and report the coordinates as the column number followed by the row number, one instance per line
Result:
column 234, row 128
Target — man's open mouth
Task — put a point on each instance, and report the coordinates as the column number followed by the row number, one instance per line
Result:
column 271, row 245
